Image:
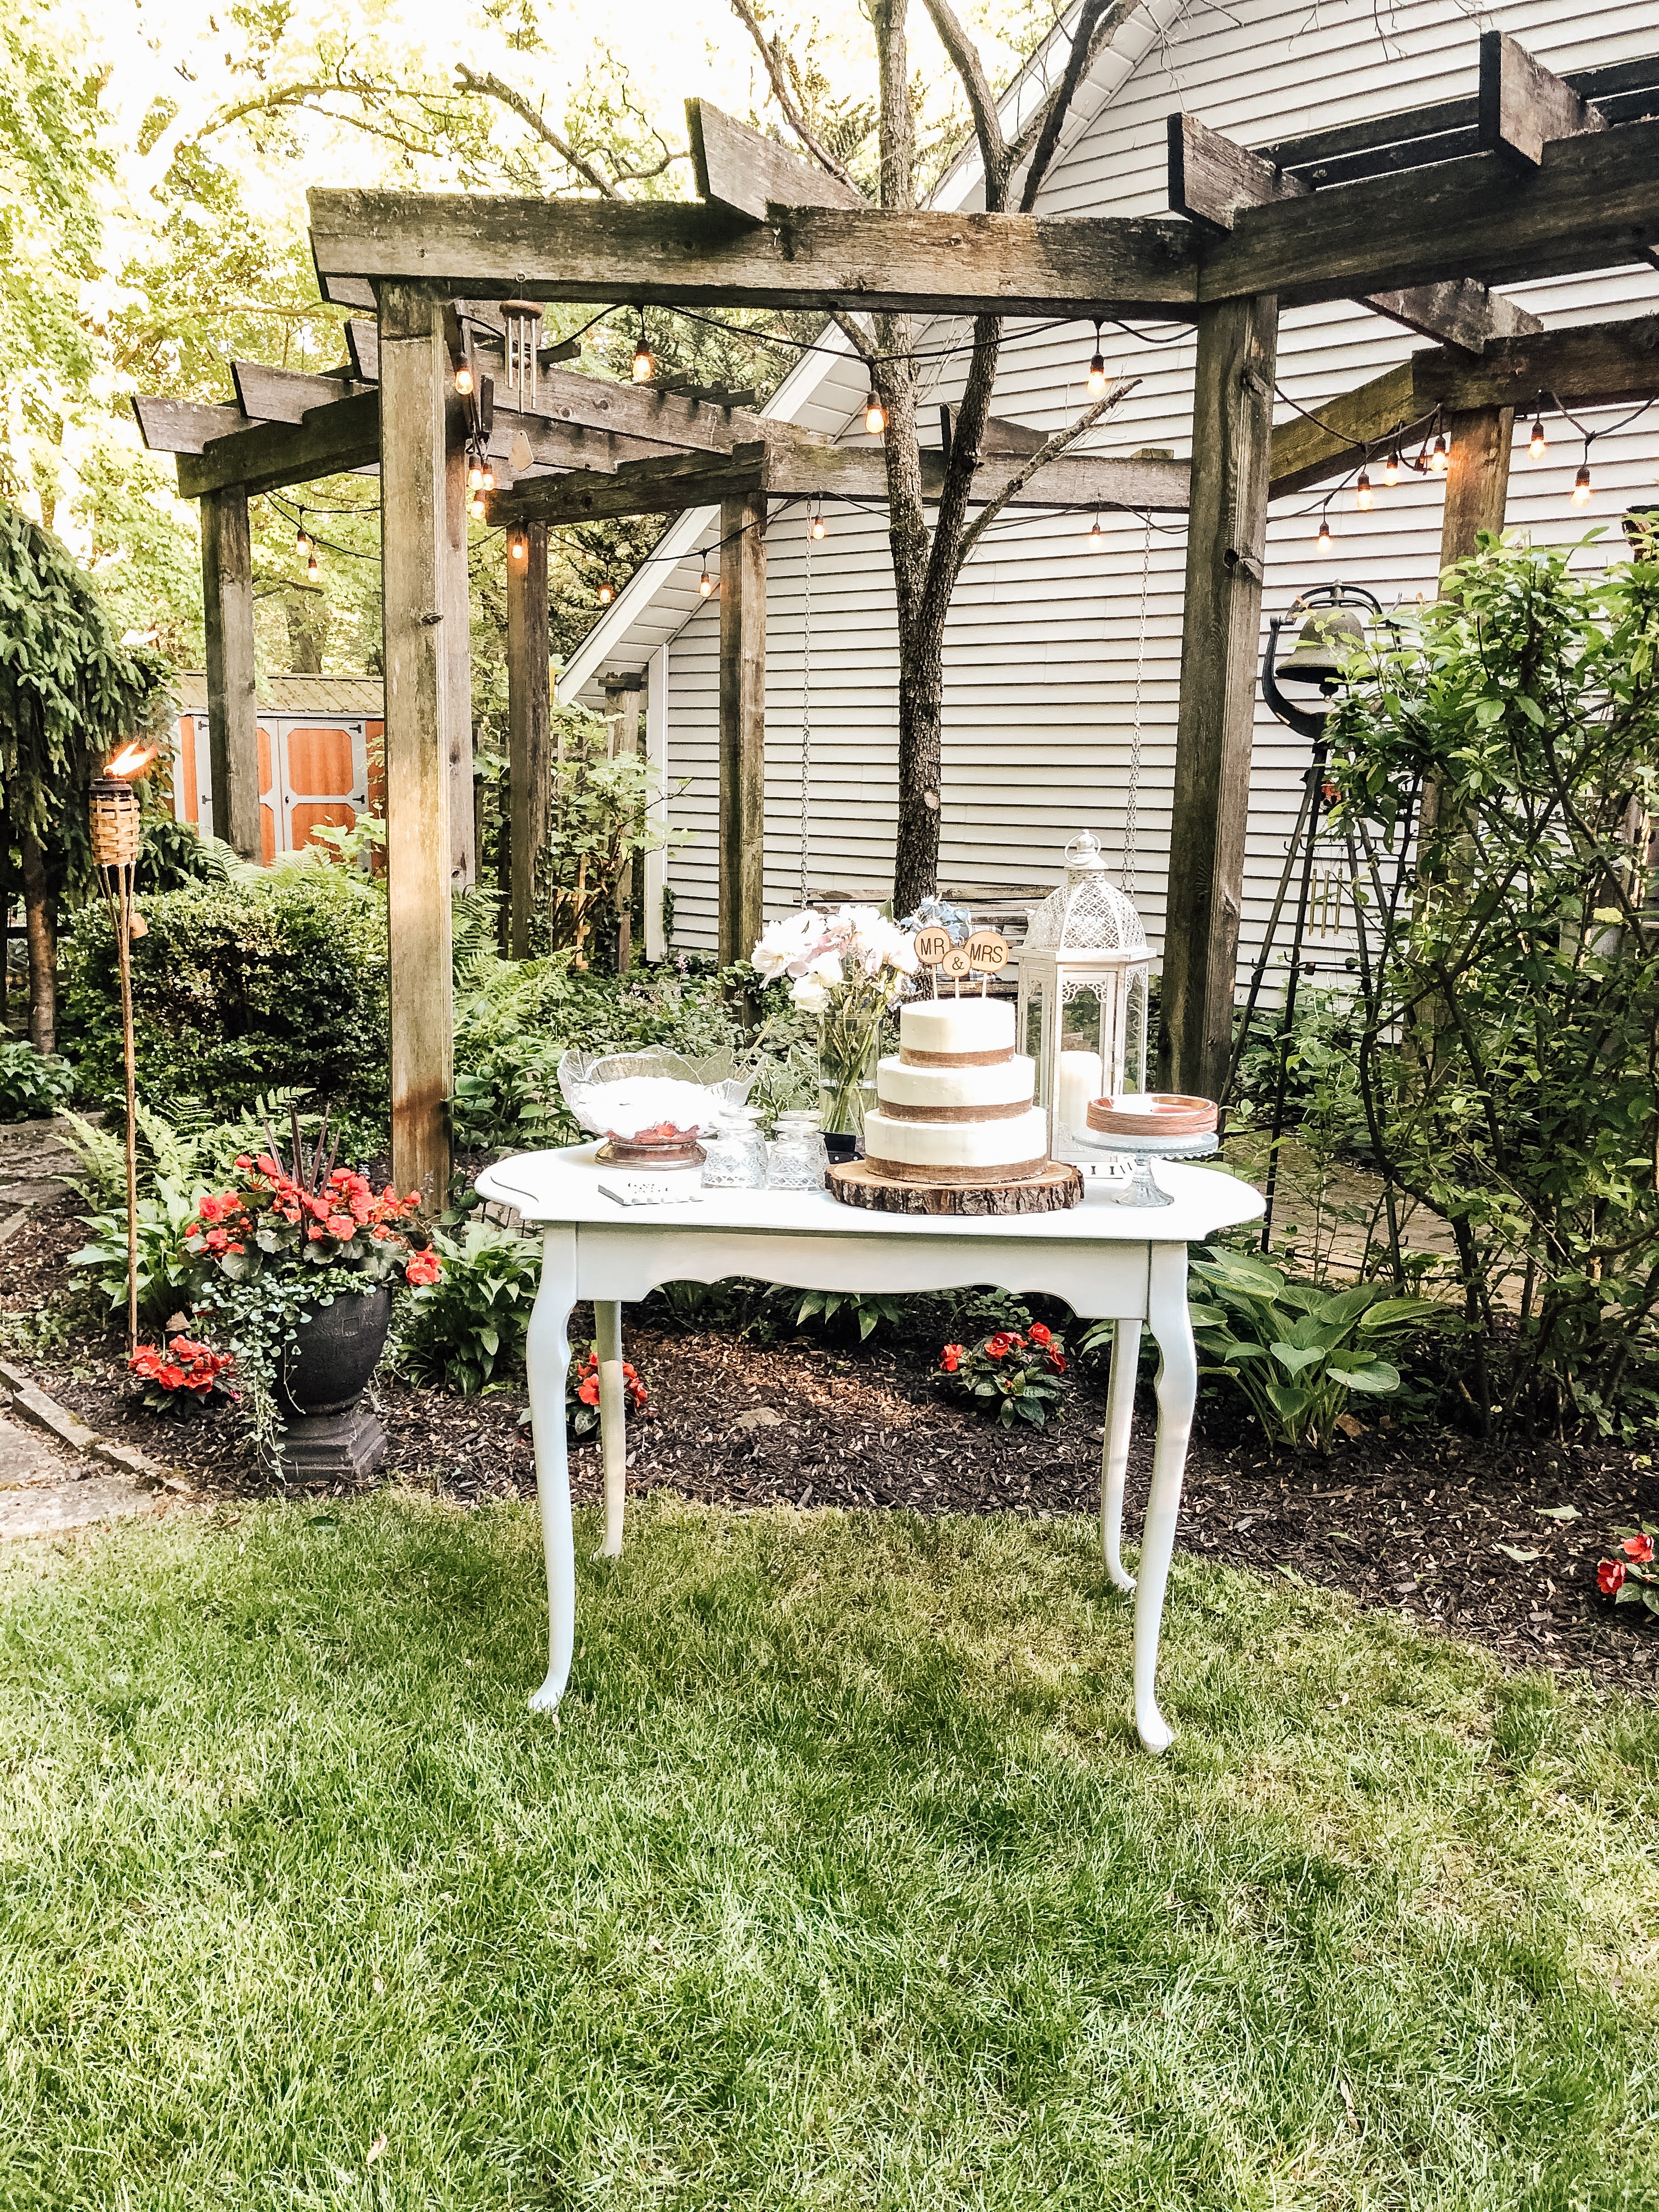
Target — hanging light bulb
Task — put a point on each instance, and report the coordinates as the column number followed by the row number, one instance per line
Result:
column 310, row 566
column 1096, row 537
column 1581, row 484
column 1097, row 370
column 475, row 478
column 1362, row 491
column 1391, row 468
column 475, row 506
column 1438, row 458
column 302, row 542
column 820, row 527
column 488, row 478
column 645, row 366
column 464, row 379
column 875, row 417
column 1538, row 442
column 1324, row 542
column 517, row 547
column 705, row 582
column 605, row 593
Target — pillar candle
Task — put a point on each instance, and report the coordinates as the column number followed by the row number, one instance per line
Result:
column 1079, row 1082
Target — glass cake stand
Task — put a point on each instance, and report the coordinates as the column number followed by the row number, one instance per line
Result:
column 1143, row 1187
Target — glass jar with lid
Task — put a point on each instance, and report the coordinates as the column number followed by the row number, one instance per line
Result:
column 734, row 1156
column 796, row 1156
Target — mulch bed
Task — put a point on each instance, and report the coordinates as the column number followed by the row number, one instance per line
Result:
column 1412, row 1520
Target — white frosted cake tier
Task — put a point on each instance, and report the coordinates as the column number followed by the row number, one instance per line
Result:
column 967, row 1031
column 1006, row 1088
column 1020, row 1140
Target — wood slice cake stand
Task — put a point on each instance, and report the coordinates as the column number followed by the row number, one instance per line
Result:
column 1054, row 1189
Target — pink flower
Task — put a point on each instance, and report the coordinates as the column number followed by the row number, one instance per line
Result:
column 1609, row 1576
column 341, row 1226
column 422, row 1267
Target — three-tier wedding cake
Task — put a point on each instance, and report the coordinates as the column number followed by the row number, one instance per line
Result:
column 955, row 1105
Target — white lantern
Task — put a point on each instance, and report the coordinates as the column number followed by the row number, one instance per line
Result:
column 1086, row 965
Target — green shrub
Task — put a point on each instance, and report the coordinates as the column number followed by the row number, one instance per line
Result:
column 514, row 1020
column 240, row 988
column 30, row 1082
column 164, row 1265
column 467, row 1331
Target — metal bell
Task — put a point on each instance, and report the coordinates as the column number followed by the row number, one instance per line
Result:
column 1328, row 639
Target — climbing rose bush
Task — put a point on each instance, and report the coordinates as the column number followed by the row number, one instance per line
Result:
column 1008, row 1377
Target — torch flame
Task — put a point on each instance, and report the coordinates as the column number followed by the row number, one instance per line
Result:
column 132, row 760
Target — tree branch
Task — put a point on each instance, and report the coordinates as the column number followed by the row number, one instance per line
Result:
column 783, row 92
column 1097, row 25
column 491, row 88
column 987, row 125
column 865, row 346
column 1051, row 450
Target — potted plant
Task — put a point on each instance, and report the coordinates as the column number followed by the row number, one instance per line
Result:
column 850, row 967
column 298, row 1263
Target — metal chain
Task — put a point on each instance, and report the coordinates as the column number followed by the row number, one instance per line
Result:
column 1131, row 824
column 806, row 722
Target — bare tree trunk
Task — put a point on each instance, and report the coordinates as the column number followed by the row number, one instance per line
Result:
column 43, row 946
column 921, row 705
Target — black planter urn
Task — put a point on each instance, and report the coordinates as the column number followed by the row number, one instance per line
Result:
column 320, row 1381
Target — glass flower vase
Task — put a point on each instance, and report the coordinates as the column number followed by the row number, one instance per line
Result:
column 849, row 1044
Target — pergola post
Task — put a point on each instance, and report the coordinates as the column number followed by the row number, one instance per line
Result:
column 742, row 726
column 457, row 633
column 1477, row 478
column 529, row 722
column 624, row 698
column 233, row 712
column 417, row 557
column 1233, row 450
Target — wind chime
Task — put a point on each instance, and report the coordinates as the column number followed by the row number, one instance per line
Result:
column 114, row 823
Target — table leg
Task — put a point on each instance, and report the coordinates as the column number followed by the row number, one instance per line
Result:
column 1114, row 1448
column 547, row 1357
column 1177, row 1393
column 613, row 1422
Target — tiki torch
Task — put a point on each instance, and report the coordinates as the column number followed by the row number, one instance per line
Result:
column 115, row 820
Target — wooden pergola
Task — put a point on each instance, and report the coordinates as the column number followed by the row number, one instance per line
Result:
column 1417, row 216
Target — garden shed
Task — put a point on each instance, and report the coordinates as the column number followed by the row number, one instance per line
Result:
column 1063, row 653
column 318, row 738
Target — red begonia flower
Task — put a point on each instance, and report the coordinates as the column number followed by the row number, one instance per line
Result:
column 1609, row 1576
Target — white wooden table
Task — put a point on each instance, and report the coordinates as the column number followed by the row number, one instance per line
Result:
column 1107, row 1261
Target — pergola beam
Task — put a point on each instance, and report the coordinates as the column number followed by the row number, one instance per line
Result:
column 670, row 253
column 1598, row 365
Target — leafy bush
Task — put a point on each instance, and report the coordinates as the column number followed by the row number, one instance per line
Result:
column 31, row 1082
column 515, row 1020
column 1505, row 1061
column 1295, row 1351
column 165, row 1213
column 242, row 987
column 868, row 1310
column 467, row 1331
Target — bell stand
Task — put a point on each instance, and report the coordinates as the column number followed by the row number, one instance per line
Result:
column 1310, row 722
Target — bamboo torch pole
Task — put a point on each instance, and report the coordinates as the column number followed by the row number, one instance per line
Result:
column 113, row 806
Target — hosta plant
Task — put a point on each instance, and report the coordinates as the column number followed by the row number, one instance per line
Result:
column 1010, row 1377
column 467, row 1331
column 1633, row 1577
column 1296, row 1351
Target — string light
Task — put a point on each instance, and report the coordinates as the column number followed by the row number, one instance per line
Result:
column 1096, row 537
column 1581, row 484
column 645, row 366
column 517, row 547
column 475, row 478
column 1438, row 458
column 1324, row 542
column 1097, row 370
column 302, row 542
column 1391, row 468
column 1538, row 442
column 488, row 478
column 605, row 593
column 464, row 379
column 705, row 582
column 1362, row 491
column 475, row 506
column 311, row 569
column 820, row 527
column 875, row 416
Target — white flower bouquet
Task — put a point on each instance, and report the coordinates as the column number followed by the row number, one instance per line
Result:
column 850, row 967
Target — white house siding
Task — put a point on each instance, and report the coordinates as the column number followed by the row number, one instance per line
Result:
column 1041, row 655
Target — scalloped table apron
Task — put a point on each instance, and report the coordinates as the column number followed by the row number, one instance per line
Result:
column 1126, row 1264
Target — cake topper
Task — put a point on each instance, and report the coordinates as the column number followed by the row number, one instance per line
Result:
column 988, row 955
column 931, row 945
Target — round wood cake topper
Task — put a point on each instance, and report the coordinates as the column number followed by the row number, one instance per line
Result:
column 956, row 963
column 931, row 946
column 987, row 952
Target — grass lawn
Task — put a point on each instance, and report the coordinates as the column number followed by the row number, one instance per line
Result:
column 843, row 1882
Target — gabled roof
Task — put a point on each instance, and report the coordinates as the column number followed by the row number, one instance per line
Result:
column 611, row 642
